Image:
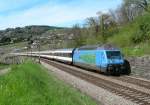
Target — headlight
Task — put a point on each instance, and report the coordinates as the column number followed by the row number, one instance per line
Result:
column 110, row 67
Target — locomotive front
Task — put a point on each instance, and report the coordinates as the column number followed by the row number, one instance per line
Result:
column 116, row 64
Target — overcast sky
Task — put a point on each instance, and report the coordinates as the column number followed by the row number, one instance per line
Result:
column 19, row 13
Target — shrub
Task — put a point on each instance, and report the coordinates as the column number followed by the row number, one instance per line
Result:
column 142, row 34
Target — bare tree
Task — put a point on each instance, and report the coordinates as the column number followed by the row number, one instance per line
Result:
column 77, row 35
column 130, row 9
column 138, row 3
column 122, row 16
column 93, row 23
column 135, row 8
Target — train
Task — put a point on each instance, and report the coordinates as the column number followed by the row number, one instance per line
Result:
column 105, row 58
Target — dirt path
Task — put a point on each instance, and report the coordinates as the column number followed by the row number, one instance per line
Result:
column 4, row 71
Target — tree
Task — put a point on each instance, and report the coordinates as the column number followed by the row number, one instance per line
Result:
column 93, row 23
column 5, row 40
column 144, row 4
column 122, row 17
column 76, row 31
column 107, row 23
column 131, row 9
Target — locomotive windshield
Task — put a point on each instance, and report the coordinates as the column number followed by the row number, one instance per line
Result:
column 113, row 54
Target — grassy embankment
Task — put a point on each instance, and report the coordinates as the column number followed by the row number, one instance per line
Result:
column 138, row 30
column 30, row 84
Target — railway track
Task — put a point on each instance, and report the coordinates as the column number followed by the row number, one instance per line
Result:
column 131, row 94
column 136, row 81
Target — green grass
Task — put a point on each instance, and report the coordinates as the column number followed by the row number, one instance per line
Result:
column 30, row 84
column 139, row 50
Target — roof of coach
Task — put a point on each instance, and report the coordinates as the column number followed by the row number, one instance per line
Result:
column 48, row 51
column 99, row 47
column 64, row 50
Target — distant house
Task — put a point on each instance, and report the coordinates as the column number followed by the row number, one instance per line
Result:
column 16, row 50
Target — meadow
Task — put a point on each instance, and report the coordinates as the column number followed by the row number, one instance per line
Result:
column 30, row 84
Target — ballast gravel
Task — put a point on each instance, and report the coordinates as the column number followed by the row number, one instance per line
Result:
column 102, row 96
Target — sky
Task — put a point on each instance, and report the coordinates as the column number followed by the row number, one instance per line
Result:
column 63, row 13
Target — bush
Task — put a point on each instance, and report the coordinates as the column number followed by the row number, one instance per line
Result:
column 5, row 39
column 142, row 34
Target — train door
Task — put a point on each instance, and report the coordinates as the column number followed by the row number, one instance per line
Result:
column 98, row 59
column 102, row 61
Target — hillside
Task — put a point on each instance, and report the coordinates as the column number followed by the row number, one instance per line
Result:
column 134, row 38
column 22, row 34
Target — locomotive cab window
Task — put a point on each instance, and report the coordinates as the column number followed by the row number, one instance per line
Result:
column 113, row 54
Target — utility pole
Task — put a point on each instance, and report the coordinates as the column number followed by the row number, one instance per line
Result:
column 101, row 15
column 31, row 52
column 38, row 45
column 102, row 25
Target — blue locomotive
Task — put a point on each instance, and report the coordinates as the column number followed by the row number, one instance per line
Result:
column 106, row 58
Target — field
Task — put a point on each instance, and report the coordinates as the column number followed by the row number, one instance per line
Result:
column 11, row 47
column 30, row 84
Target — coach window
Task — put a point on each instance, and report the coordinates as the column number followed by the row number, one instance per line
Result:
column 66, row 54
column 69, row 55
